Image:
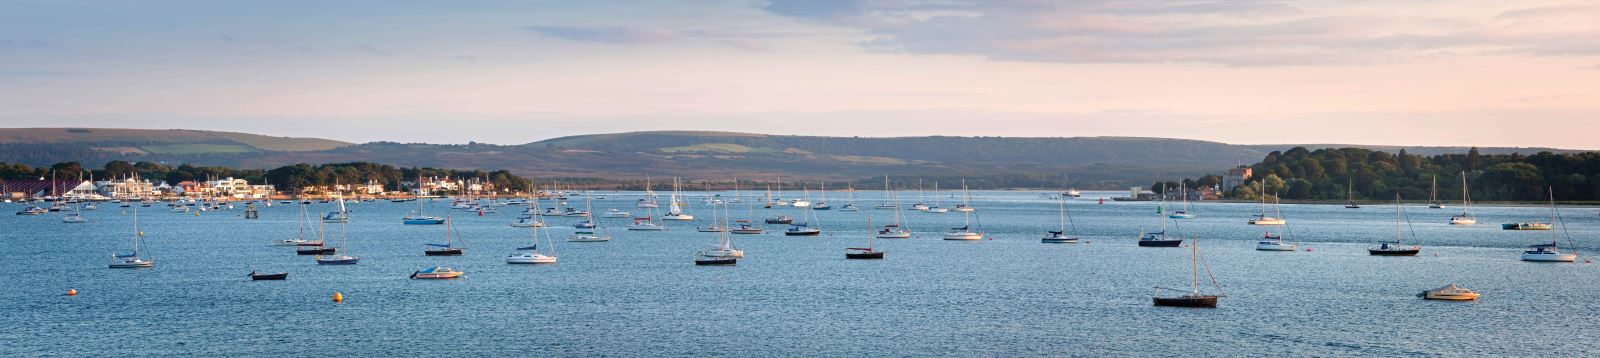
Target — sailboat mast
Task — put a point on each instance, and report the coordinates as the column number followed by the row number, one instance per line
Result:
column 1061, row 211
column 1194, row 261
column 1397, row 217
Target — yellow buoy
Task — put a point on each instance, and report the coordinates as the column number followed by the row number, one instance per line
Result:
column 338, row 297
column 72, row 292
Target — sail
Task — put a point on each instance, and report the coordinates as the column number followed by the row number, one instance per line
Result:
column 673, row 207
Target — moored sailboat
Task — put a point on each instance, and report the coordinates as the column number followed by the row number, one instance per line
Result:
column 1550, row 252
column 864, row 253
column 1060, row 236
column 1465, row 217
column 132, row 258
column 1395, row 248
column 449, row 247
column 1191, row 297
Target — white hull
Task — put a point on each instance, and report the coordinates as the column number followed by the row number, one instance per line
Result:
column 528, row 259
column 723, row 253
column 1550, row 257
column 1275, row 246
column 937, row 210
column 894, row 235
column 1456, row 221
column 1268, row 221
column 963, row 236
column 679, row 217
column 588, row 238
column 647, row 228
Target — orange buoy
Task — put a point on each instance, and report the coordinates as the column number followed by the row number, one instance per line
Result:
column 72, row 292
column 338, row 297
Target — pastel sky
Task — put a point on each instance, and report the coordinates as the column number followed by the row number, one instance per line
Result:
column 1430, row 72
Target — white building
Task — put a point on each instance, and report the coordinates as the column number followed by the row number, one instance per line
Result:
column 126, row 189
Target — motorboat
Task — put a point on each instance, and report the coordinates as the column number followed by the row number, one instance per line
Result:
column 437, row 273
column 780, row 220
column 1261, row 219
column 1450, row 293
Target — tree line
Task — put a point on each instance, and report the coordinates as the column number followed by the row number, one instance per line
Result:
column 288, row 179
column 1368, row 175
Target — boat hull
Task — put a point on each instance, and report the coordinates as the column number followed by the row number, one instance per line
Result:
column 444, row 252
column 338, row 261
column 1274, row 246
column 424, row 221
column 315, row 251
column 748, row 231
column 802, row 233
column 531, row 260
column 1160, row 243
column 1408, row 252
column 269, row 276
column 715, row 261
column 965, row 236
column 1059, row 240
column 1550, row 257
column 1195, row 302
column 1450, row 296
column 864, row 255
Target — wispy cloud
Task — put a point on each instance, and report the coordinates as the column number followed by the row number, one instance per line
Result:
column 375, row 51
column 1232, row 33
column 605, row 34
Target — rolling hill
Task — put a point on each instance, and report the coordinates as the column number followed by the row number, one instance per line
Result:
column 1086, row 162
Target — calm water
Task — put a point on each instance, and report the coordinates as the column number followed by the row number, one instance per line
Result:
column 641, row 293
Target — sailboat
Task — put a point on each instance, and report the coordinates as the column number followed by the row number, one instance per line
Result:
column 850, row 206
column 1191, row 297
column 318, row 247
column 1060, row 235
column 131, row 258
column 724, row 248
column 966, row 199
column 531, row 254
column 1465, row 217
column 864, row 253
column 1550, row 252
column 1395, row 248
column 965, row 232
column 674, row 210
column 340, row 257
column 417, row 218
column 1433, row 196
column 716, row 224
column 822, row 204
column 1350, row 195
column 921, row 196
column 1159, row 238
column 897, row 230
column 648, row 223
column 76, row 217
column 649, row 201
column 802, row 228
column 1262, row 218
column 337, row 216
column 449, row 247
column 1183, row 191
column 531, row 216
column 935, row 208
column 886, row 204
column 300, row 234
column 596, row 227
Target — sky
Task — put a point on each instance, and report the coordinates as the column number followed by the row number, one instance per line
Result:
column 1421, row 73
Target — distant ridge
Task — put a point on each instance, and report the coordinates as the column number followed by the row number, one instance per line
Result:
column 1087, row 162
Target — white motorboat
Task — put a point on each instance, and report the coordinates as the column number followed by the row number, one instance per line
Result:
column 437, row 273
column 1450, row 293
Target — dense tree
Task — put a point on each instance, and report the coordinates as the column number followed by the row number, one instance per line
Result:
column 1379, row 175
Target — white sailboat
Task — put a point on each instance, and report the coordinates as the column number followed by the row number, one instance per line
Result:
column 1550, row 252
column 1185, row 213
column 725, row 247
column 965, row 232
column 418, row 218
column 822, row 204
column 76, row 217
column 966, row 199
column 1465, row 217
column 300, row 233
column 897, row 230
column 596, row 233
column 935, row 208
column 337, row 216
column 649, row 201
column 132, row 258
column 805, row 227
column 1350, row 195
column 850, row 206
column 674, row 210
column 887, row 204
column 1262, row 218
column 1060, row 236
column 530, row 217
column 531, row 254
column 340, row 255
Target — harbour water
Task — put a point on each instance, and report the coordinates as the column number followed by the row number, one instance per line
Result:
column 640, row 293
